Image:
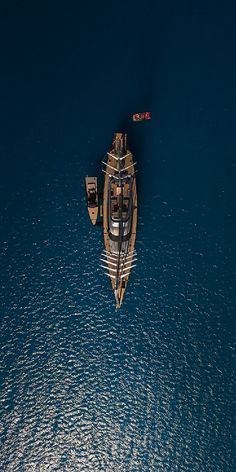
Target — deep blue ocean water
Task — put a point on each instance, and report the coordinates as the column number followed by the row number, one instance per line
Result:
column 148, row 388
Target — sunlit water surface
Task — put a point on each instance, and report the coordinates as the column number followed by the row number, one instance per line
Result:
column 148, row 388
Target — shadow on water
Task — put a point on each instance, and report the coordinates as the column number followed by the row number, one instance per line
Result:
column 130, row 86
column 146, row 86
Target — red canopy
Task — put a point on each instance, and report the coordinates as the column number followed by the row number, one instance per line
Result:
column 146, row 115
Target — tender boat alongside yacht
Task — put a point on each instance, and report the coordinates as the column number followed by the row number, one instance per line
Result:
column 91, row 187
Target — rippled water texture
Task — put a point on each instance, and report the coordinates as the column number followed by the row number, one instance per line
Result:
column 89, row 388
column 148, row 388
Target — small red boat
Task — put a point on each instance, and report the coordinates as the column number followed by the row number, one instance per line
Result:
column 146, row 115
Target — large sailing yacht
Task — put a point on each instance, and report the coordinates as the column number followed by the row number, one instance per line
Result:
column 119, row 215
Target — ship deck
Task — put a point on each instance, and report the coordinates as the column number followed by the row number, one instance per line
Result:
column 130, row 244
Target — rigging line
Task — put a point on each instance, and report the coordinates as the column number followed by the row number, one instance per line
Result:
column 108, row 165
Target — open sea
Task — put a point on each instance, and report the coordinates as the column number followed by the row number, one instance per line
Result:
column 150, row 387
